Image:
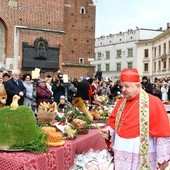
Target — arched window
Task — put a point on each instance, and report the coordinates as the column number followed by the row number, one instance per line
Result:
column 81, row 60
column 82, row 10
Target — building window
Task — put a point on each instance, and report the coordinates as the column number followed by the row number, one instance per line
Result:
column 146, row 67
column 130, row 65
column 98, row 67
column 164, row 48
column 82, row 10
column 169, row 47
column 164, row 65
column 154, row 66
column 154, row 50
column 146, row 51
column 119, row 53
column 159, row 65
column 130, row 52
column 107, row 55
column 99, row 56
column 118, row 66
column 81, row 60
column 12, row 3
column 159, row 50
column 107, row 67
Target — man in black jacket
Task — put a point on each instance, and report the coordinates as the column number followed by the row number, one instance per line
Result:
column 83, row 90
column 146, row 85
column 14, row 86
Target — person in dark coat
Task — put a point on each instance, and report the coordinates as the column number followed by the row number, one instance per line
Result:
column 58, row 90
column 6, row 77
column 14, row 86
column 83, row 90
column 146, row 85
column 115, row 89
column 156, row 91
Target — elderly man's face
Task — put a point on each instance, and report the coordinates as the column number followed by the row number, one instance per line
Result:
column 16, row 76
column 130, row 89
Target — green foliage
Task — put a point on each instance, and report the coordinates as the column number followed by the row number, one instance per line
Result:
column 78, row 114
column 104, row 114
column 60, row 119
column 18, row 129
column 37, row 145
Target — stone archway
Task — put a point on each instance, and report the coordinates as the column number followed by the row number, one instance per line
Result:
column 2, row 45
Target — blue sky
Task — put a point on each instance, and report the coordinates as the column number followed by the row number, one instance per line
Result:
column 113, row 16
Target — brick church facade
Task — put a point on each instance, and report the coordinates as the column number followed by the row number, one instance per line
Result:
column 55, row 35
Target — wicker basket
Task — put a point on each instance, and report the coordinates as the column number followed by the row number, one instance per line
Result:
column 44, row 116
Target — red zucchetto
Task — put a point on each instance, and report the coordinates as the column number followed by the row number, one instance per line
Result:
column 129, row 75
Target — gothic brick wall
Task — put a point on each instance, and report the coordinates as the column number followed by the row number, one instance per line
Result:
column 39, row 14
column 58, row 15
column 79, row 37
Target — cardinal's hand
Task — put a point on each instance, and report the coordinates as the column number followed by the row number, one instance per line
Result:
column 105, row 133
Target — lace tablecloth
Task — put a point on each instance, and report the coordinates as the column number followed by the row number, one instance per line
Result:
column 57, row 158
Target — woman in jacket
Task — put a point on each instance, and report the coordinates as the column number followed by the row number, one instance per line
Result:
column 29, row 90
column 43, row 93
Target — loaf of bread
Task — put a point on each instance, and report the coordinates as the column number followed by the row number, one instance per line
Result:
column 54, row 138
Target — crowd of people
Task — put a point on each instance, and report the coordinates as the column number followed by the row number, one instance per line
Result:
column 49, row 89
column 31, row 92
column 138, row 127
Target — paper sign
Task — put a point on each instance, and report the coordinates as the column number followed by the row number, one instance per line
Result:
column 65, row 78
column 36, row 73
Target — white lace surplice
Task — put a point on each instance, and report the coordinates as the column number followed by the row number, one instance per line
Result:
column 126, row 152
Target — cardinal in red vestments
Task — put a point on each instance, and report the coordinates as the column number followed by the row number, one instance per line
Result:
column 136, row 117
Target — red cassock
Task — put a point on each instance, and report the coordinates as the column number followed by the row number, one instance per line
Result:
column 129, row 122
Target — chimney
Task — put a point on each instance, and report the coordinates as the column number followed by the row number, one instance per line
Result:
column 168, row 25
